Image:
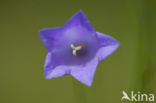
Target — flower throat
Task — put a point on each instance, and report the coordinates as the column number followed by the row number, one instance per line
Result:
column 79, row 50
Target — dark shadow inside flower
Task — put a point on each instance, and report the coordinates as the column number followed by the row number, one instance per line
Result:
column 66, row 56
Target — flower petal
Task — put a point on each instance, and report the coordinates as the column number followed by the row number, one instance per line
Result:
column 85, row 73
column 107, row 46
column 51, row 69
column 79, row 19
column 50, row 37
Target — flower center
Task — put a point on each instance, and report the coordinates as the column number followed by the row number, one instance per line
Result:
column 79, row 50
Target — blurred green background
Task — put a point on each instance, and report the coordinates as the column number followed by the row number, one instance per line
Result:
column 131, row 67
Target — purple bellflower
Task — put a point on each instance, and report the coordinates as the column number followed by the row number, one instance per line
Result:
column 75, row 49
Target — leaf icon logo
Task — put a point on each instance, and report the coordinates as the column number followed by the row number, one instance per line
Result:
column 125, row 96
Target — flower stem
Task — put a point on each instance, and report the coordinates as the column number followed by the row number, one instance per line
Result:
column 79, row 92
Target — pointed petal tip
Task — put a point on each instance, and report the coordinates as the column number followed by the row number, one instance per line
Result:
column 47, row 77
column 42, row 31
column 89, row 84
column 80, row 12
column 79, row 19
column 83, row 81
column 108, row 46
column 107, row 51
column 85, row 74
column 116, row 45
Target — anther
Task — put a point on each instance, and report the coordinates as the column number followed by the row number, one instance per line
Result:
column 75, row 49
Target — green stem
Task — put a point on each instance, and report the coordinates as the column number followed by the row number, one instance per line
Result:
column 79, row 92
